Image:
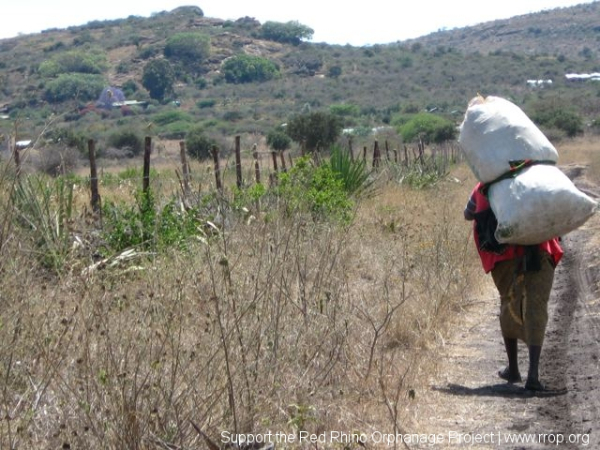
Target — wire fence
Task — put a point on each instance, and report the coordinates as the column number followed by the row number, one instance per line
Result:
column 264, row 166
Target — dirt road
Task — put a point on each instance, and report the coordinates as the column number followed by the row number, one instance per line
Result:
column 468, row 406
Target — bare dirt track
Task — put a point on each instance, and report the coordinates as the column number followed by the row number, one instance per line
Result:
column 468, row 406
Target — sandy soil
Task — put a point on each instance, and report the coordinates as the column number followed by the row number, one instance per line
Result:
column 468, row 406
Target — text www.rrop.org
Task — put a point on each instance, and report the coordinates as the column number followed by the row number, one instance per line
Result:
column 452, row 438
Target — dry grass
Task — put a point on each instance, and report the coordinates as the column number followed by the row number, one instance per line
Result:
column 273, row 324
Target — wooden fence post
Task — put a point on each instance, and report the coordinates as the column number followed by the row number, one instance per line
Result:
column 274, row 155
column 147, row 151
column 96, row 201
column 376, row 155
column 238, row 162
column 185, row 168
column 365, row 154
column 387, row 150
column 17, row 158
column 421, row 147
column 215, row 155
column 282, row 155
column 256, row 165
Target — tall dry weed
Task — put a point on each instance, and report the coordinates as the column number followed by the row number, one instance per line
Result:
column 273, row 323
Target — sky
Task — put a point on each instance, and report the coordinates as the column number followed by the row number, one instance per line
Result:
column 334, row 22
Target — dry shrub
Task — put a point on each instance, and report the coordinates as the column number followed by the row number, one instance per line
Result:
column 55, row 161
column 272, row 324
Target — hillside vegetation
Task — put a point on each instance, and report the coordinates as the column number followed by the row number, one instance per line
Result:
column 49, row 80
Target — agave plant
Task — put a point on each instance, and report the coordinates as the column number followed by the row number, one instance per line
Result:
column 358, row 180
column 45, row 207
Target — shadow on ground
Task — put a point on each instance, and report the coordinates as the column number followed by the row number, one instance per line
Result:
column 506, row 390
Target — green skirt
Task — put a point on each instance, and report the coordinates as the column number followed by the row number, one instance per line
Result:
column 524, row 299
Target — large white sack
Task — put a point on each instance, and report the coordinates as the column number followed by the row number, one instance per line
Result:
column 494, row 132
column 540, row 203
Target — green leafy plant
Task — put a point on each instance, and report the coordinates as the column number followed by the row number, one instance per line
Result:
column 357, row 179
column 74, row 86
column 198, row 144
column 291, row 32
column 127, row 139
column 248, row 68
column 430, row 128
column 314, row 189
column 314, row 130
column 45, row 208
column 158, row 78
column 188, row 49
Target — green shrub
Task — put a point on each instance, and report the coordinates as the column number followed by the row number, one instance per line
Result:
column 247, row 69
column 129, row 88
column 91, row 61
column 207, row 103
column 278, row 140
column 167, row 117
column 189, row 49
column 315, row 130
column 427, row 127
column 356, row 178
column 127, row 140
column 559, row 117
column 316, row 190
column 233, row 116
column 344, row 110
column 198, row 144
column 158, row 78
column 74, row 86
column 67, row 137
column 291, row 32
column 145, row 227
column 175, row 130
column 45, row 207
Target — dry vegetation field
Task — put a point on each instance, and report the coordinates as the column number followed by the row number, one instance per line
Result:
column 265, row 322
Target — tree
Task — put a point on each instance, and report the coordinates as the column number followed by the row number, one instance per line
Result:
column 190, row 50
column 553, row 113
column 427, row 127
column 247, row 68
column 315, row 130
column 278, row 140
column 198, row 144
column 334, row 71
column 291, row 32
column 158, row 78
column 93, row 61
column 68, row 86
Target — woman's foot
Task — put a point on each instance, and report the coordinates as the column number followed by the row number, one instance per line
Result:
column 505, row 374
column 533, row 384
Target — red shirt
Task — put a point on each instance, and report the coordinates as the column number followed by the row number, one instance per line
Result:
column 489, row 259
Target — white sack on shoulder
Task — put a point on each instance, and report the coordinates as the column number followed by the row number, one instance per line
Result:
column 495, row 132
column 540, row 203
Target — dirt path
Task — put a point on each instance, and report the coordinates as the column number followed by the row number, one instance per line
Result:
column 468, row 406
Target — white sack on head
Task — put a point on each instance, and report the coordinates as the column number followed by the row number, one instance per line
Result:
column 540, row 203
column 494, row 132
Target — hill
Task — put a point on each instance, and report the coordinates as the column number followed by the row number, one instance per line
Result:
column 51, row 80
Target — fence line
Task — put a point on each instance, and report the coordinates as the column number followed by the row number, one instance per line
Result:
column 443, row 155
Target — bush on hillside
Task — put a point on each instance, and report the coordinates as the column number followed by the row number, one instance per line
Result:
column 291, row 32
column 74, row 86
column 198, row 144
column 128, row 141
column 427, row 127
column 247, row 69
